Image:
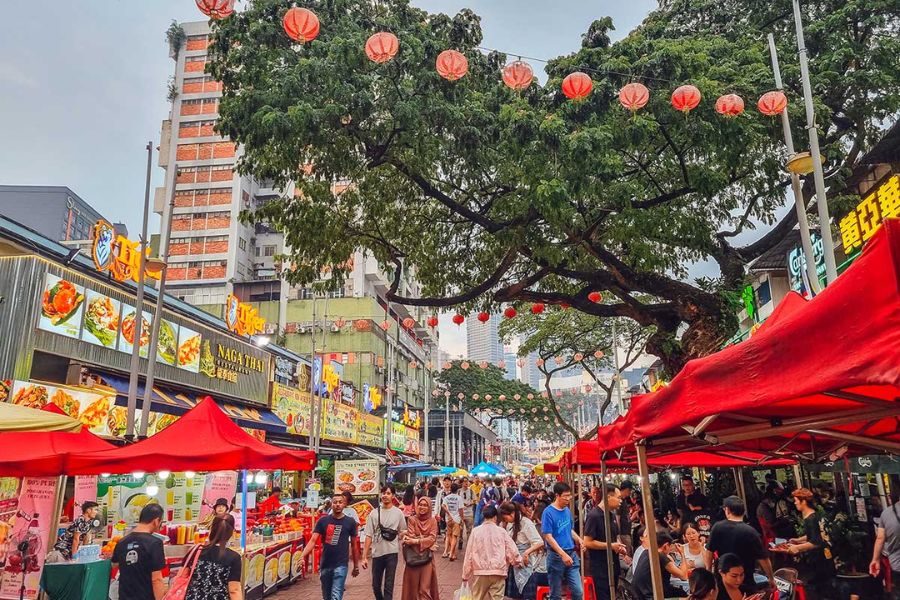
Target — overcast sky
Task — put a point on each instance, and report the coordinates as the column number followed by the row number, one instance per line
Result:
column 83, row 86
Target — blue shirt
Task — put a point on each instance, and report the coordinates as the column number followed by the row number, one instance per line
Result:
column 558, row 523
column 520, row 499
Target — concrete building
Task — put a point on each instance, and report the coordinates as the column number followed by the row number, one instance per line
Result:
column 510, row 357
column 55, row 212
column 483, row 340
column 530, row 374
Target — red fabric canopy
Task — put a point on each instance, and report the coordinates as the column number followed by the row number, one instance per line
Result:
column 204, row 439
column 586, row 453
column 45, row 453
column 817, row 375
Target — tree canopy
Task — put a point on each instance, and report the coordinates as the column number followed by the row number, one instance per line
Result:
column 496, row 196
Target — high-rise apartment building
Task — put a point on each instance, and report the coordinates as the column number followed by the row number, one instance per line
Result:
column 54, row 211
column 530, row 374
column 510, row 357
column 483, row 340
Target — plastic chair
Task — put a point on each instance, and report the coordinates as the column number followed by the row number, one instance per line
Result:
column 792, row 577
column 590, row 592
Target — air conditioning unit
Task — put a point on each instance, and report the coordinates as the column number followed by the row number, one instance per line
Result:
column 335, row 329
column 301, row 330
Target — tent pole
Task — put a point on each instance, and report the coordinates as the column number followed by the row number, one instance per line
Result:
column 607, row 526
column 579, row 487
column 57, row 508
column 798, row 476
column 244, row 510
column 655, row 572
column 739, row 485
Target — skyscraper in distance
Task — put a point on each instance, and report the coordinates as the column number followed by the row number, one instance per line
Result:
column 483, row 340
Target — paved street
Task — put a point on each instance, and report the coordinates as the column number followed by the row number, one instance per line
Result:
column 360, row 588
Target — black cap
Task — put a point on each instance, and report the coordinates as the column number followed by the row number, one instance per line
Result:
column 221, row 502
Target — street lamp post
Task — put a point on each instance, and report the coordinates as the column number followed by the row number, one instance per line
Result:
column 447, row 428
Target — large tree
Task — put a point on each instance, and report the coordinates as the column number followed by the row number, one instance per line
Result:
column 501, row 197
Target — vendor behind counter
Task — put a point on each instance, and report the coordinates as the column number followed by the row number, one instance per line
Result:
column 77, row 534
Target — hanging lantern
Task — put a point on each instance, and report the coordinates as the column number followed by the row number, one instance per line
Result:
column 464, row 365
column 509, row 312
column 595, row 297
column 429, row 365
column 578, row 357
column 544, row 394
column 362, row 324
column 452, row 65
column 340, row 322
column 501, row 398
column 447, row 365
column 576, row 86
column 409, row 322
column 520, row 362
column 634, row 96
column 565, row 305
column 588, row 389
column 432, row 321
column 521, row 411
column 460, row 395
column 459, row 319
column 434, row 393
column 483, row 364
column 216, row 9
column 488, row 397
column 598, row 354
column 385, row 325
column 501, row 364
column 412, row 364
column 686, row 98
column 518, row 75
column 730, row 105
column 475, row 397
column 537, row 308
column 534, row 411
column 559, row 393
column 772, row 103
column 382, row 47
column 539, row 362
column 484, row 317
column 517, row 397
column 301, row 24
column 530, row 396
column 558, row 360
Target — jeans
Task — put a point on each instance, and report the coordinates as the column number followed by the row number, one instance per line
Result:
column 558, row 573
column 384, row 568
column 332, row 581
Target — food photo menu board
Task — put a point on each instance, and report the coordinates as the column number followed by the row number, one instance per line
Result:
column 359, row 477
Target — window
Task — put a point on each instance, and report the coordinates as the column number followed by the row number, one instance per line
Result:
column 257, row 251
column 242, row 244
column 270, row 251
column 763, row 294
column 195, row 264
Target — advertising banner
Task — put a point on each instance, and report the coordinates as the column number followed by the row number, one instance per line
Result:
column 359, row 477
column 254, row 566
column 341, row 423
column 398, row 436
column 85, row 491
column 29, row 538
column 371, row 431
column 93, row 409
column 62, row 303
column 219, row 484
column 9, row 502
column 293, row 407
column 122, row 497
column 412, row 441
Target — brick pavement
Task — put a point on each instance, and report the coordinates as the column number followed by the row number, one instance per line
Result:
column 360, row 588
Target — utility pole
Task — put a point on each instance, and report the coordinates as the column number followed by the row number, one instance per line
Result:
column 315, row 406
column 447, row 428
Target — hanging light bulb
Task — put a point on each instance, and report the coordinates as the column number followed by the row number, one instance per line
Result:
column 138, row 474
column 104, row 474
column 190, row 474
column 261, row 478
column 248, row 478
column 164, row 474
column 152, row 490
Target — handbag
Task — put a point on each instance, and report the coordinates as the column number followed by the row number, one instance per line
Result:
column 415, row 557
column 387, row 534
column 178, row 588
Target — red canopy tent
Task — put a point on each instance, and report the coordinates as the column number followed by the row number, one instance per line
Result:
column 45, row 453
column 204, row 439
column 586, row 454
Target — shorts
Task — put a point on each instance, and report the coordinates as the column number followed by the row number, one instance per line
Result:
column 453, row 528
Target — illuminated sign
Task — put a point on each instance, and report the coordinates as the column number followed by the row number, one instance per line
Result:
column 797, row 264
column 230, row 361
column 242, row 318
column 863, row 221
column 117, row 254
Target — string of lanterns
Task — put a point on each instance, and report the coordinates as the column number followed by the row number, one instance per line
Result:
column 302, row 25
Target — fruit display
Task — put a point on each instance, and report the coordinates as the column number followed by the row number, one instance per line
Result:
column 110, row 546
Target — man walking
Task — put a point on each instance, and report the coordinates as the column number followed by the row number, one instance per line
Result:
column 595, row 542
column 141, row 558
column 337, row 532
column 887, row 541
column 453, row 515
column 468, row 500
column 383, row 530
column 560, row 537
column 736, row 537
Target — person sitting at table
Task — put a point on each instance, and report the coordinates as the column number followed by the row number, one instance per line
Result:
column 692, row 549
column 731, row 574
column 703, row 585
column 78, row 533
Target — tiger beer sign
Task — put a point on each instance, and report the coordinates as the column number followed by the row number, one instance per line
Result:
column 242, row 318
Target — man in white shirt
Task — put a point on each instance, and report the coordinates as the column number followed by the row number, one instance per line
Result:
column 452, row 507
column 438, row 508
column 387, row 521
column 468, row 498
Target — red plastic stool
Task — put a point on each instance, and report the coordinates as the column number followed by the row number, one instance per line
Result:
column 590, row 593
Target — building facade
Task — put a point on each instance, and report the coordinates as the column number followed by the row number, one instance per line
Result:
column 483, row 340
column 55, row 212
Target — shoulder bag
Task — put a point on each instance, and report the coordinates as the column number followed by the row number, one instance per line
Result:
column 415, row 557
column 387, row 534
column 178, row 588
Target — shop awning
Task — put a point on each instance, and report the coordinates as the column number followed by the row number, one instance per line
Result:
column 204, row 439
column 168, row 400
column 15, row 418
column 412, row 466
column 369, row 454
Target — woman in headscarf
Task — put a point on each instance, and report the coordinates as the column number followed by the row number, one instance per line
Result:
column 420, row 582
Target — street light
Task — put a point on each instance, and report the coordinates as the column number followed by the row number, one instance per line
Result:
column 801, row 163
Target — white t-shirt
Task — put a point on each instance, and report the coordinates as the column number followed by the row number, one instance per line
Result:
column 391, row 518
column 453, row 502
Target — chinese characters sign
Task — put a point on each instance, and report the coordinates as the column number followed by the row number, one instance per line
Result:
column 242, row 318
column 117, row 254
column 863, row 221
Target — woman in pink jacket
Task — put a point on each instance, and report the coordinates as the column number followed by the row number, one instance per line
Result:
column 489, row 553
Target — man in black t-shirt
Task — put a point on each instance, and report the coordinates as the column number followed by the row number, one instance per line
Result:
column 595, row 542
column 818, row 565
column 642, row 581
column 690, row 501
column 338, row 533
column 736, row 537
column 141, row 558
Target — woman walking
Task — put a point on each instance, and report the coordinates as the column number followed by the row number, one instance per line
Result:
column 533, row 573
column 419, row 576
column 217, row 575
column 489, row 555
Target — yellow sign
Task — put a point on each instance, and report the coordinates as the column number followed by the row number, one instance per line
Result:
column 242, row 318
column 863, row 221
column 117, row 254
column 331, row 378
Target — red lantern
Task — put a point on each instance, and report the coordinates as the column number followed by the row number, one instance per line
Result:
column 518, row 75
column 772, row 103
column 537, row 308
column 484, row 317
column 577, row 86
column 510, row 312
column 501, row 364
column 301, row 24
column 382, row 47
column 483, row 364
column 539, row 362
column 634, row 96
column 558, row 360
column 598, row 354
column 588, row 389
column 521, row 362
column 595, row 297
column 464, row 365
column 517, row 397
column 362, row 324
column 216, row 9
column 339, row 323
column 432, row 321
column 730, row 105
column 385, row 325
column 447, row 365
column 459, row 319
column 452, row 65
column 501, row 397
column 409, row 322
column 686, row 98
column 578, row 357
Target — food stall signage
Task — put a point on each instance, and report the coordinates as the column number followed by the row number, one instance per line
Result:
column 864, row 220
column 117, row 254
column 230, row 362
column 242, row 318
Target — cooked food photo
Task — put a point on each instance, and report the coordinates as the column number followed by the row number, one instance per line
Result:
column 163, row 421
column 189, row 351
column 33, row 396
column 271, row 573
column 102, row 319
column 61, row 301
column 66, row 402
column 167, row 342
column 128, row 329
column 345, row 476
column 116, row 421
column 347, row 487
column 366, row 486
column 368, row 475
column 255, row 571
column 96, row 413
column 284, row 565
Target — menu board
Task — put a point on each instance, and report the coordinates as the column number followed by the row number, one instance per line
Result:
column 340, row 422
column 293, row 407
column 188, row 350
column 359, row 477
column 412, row 446
column 127, row 327
column 122, row 497
column 62, row 304
column 167, row 342
column 101, row 320
column 371, row 431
